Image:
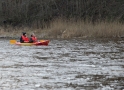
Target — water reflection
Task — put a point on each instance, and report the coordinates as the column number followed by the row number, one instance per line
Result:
column 63, row 65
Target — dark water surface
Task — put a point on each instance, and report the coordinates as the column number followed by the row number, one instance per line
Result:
column 63, row 65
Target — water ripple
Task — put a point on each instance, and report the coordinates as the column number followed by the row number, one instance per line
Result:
column 63, row 65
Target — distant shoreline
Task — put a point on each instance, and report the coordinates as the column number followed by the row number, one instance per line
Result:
column 61, row 29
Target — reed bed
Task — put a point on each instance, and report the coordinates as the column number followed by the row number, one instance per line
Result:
column 61, row 28
column 81, row 29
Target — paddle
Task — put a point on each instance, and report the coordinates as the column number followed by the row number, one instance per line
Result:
column 13, row 41
column 44, row 41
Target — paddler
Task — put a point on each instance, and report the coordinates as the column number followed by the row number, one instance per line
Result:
column 24, row 38
column 33, row 38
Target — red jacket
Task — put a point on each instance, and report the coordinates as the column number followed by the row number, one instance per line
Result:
column 25, row 38
column 34, row 39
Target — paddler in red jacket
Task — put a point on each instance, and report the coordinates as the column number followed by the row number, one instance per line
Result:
column 24, row 38
column 33, row 38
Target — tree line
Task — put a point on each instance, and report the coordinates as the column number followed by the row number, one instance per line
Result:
column 27, row 12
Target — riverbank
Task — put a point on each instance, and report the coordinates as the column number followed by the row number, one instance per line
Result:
column 68, row 29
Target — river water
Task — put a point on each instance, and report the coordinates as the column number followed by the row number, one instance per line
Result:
column 63, row 65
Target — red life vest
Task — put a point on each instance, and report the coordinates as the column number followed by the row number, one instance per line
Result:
column 25, row 38
column 34, row 39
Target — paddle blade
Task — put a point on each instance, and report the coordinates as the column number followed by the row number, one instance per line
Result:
column 44, row 41
column 13, row 41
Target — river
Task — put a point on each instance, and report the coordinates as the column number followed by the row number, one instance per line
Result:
column 73, row 64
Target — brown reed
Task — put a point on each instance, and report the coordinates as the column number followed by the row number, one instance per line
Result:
column 61, row 28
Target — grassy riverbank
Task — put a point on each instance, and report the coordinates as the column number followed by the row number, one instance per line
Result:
column 69, row 29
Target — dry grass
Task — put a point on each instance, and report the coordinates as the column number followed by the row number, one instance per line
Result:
column 60, row 28
column 71, row 29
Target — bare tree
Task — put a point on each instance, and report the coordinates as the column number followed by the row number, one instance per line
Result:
column 26, row 12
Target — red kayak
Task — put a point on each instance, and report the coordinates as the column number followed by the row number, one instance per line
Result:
column 41, row 42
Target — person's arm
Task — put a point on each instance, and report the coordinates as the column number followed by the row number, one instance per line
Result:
column 31, row 41
column 21, row 40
